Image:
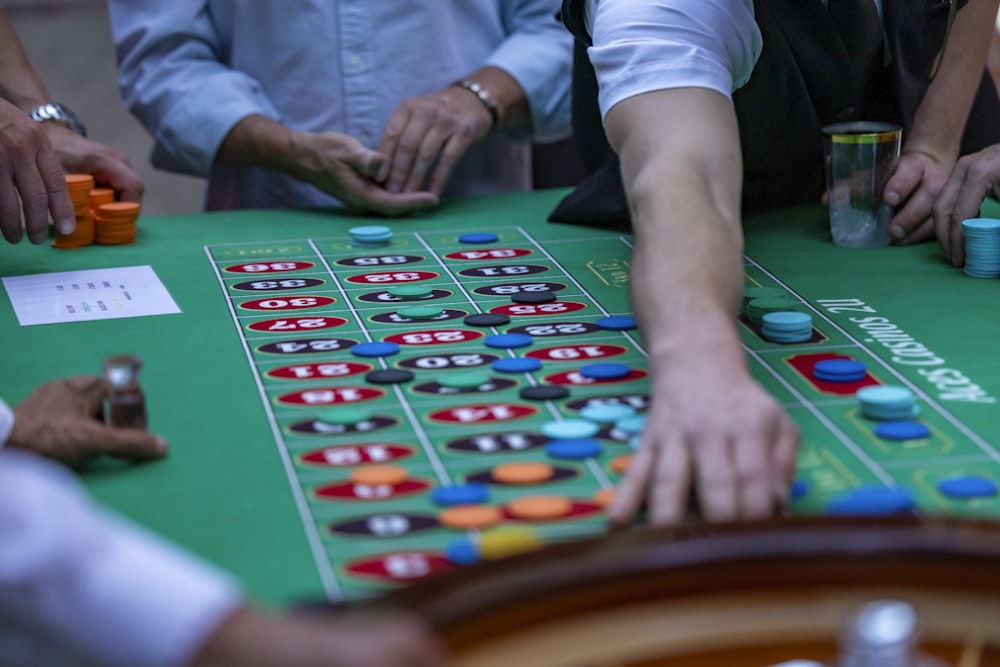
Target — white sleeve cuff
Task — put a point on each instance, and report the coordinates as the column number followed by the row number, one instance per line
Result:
column 76, row 580
column 6, row 422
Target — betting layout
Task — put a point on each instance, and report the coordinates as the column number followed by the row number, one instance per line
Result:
column 427, row 394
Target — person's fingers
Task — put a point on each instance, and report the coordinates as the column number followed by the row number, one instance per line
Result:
column 117, row 174
column 784, row 455
column 630, row 492
column 34, row 200
column 92, row 389
column 717, row 494
column 129, row 443
column 427, row 154
column 365, row 162
column 913, row 222
column 754, row 493
column 670, row 484
column 389, row 140
column 406, row 152
column 903, row 182
column 10, row 211
column 60, row 204
column 452, row 152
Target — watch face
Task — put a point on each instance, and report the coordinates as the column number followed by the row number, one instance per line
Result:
column 60, row 114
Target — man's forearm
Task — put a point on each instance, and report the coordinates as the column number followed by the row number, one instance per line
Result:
column 19, row 84
column 681, row 165
column 941, row 118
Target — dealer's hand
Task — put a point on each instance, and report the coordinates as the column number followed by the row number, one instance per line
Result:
column 60, row 420
column 711, row 427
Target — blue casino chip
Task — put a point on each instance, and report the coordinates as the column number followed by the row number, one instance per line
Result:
column 902, row 430
column 462, row 551
column 616, row 323
column 516, row 365
column 967, row 486
column 507, row 341
column 872, row 501
column 800, row 487
column 573, row 448
column 375, row 349
column 604, row 371
column 478, row 237
column 460, row 494
column 839, row 370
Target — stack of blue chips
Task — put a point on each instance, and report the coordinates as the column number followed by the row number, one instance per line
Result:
column 887, row 403
column 839, row 370
column 787, row 326
column 370, row 236
column 982, row 247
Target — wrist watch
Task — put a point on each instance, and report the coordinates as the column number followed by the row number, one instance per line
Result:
column 59, row 113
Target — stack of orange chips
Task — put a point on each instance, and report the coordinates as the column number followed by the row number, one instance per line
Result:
column 116, row 222
column 79, row 186
column 100, row 196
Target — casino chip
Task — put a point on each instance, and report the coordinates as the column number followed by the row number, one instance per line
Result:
column 487, row 320
column 606, row 413
column 464, row 380
column 478, row 237
column 516, row 365
column 345, row 415
column 887, row 403
column 390, row 376
column 872, row 500
column 370, row 236
column 507, row 341
column 409, row 291
column 462, row 551
column 786, row 326
column 616, row 323
column 757, row 308
column 752, row 293
column 544, row 392
column 573, row 448
column 534, row 297
column 967, row 487
column 569, row 428
column 902, row 430
column 982, row 247
column 800, row 487
column 604, row 371
column 375, row 349
column 419, row 312
column 839, row 370
column 460, row 494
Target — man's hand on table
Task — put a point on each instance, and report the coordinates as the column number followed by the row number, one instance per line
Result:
column 713, row 429
column 31, row 181
column 61, row 420
column 974, row 178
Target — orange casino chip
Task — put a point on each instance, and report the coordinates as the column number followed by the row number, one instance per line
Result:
column 539, row 508
column 377, row 475
column 83, row 235
column 116, row 222
column 604, row 497
column 99, row 196
column 525, row 472
column 620, row 464
column 470, row 517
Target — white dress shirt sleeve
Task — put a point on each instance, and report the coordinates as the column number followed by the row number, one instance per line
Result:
column 538, row 54
column 6, row 422
column 80, row 586
column 639, row 47
column 172, row 79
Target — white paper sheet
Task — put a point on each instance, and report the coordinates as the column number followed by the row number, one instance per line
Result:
column 95, row 294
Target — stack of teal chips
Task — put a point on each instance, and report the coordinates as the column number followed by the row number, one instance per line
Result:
column 887, row 403
column 370, row 236
column 982, row 247
column 757, row 308
column 787, row 326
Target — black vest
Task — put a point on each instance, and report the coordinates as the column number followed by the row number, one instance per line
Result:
column 815, row 68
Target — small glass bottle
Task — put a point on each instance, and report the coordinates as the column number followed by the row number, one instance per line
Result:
column 126, row 401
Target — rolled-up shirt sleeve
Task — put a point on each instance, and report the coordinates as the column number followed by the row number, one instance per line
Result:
column 639, row 47
column 538, row 54
column 82, row 586
column 173, row 78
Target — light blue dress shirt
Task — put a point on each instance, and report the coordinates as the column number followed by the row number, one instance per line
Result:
column 191, row 69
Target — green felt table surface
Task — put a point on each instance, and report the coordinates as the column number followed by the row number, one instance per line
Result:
column 225, row 489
